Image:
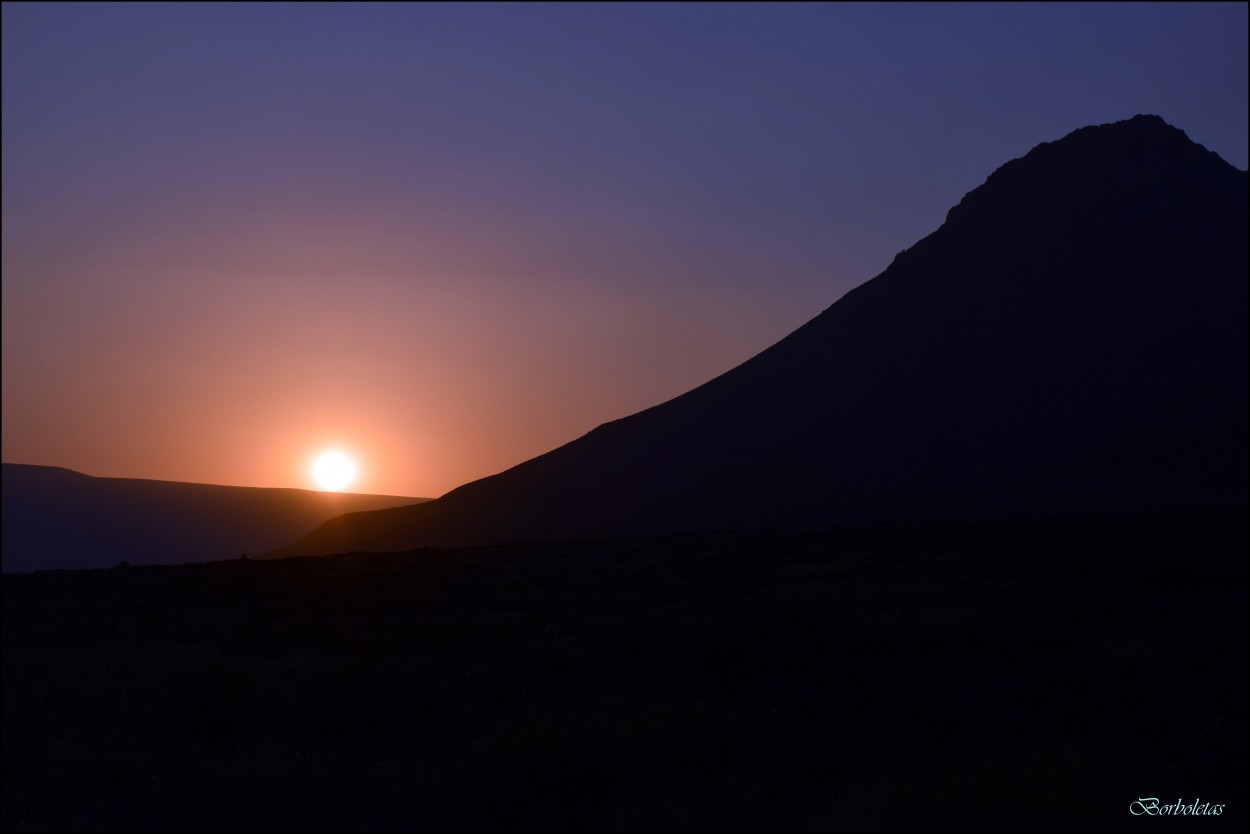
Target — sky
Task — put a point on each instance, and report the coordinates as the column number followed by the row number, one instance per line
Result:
column 447, row 238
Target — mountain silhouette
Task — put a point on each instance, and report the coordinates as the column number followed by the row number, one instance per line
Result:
column 58, row 518
column 1073, row 337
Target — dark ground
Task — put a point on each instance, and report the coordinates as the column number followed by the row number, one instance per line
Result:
column 1025, row 674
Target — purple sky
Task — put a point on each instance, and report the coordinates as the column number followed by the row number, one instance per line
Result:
column 448, row 238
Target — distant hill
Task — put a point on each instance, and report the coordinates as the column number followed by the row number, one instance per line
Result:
column 1073, row 337
column 58, row 518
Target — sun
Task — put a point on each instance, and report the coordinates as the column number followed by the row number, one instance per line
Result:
column 333, row 471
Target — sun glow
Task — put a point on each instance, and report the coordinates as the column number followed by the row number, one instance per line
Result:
column 333, row 471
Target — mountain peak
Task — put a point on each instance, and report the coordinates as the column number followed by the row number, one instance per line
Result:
column 1143, row 134
column 1142, row 123
column 1121, row 172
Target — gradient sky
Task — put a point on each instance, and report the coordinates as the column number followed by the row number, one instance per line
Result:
column 449, row 238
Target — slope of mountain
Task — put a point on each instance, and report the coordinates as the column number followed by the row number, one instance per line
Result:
column 58, row 518
column 1073, row 337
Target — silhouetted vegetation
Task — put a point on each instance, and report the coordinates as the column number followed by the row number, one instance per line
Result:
column 1025, row 674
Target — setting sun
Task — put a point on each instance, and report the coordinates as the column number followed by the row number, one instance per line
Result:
column 333, row 471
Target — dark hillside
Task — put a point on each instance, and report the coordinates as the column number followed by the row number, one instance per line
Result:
column 1074, row 337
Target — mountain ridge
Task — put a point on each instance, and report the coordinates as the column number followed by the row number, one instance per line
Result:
column 1071, row 338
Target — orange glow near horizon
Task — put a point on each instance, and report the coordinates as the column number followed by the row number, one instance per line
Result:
column 226, row 388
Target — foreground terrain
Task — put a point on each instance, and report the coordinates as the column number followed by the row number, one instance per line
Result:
column 1025, row 674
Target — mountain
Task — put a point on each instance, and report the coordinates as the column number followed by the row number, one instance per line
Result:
column 58, row 518
column 1073, row 337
